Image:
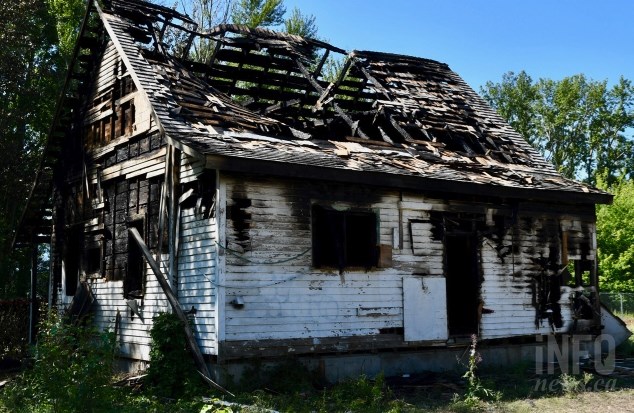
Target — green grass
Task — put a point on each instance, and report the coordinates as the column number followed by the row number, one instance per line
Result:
column 292, row 388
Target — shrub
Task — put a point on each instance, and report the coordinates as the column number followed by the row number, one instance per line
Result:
column 172, row 373
column 72, row 369
column 14, row 319
column 571, row 384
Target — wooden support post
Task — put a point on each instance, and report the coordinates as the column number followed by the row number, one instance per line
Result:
column 191, row 340
column 221, row 240
column 173, row 210
column 33, row 299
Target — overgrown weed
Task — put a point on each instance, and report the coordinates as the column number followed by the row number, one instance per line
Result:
column 476, row 394
column 71, row 371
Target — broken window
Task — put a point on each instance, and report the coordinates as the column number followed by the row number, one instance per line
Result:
column 72, row 256
column 344, row 238
column 583, row 272
column 93, row 260
column 577, row 272
column 135, row 274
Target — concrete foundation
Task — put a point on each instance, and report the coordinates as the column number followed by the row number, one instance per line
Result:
column 334, row 368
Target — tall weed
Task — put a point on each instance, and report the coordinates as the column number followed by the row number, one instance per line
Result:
column 71, row 371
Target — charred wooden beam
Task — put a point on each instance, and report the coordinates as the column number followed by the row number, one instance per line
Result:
column 354, row 125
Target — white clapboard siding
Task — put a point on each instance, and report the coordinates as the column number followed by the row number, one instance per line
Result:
column 133, row 336
column 284, row 297
column 291, row 299
column 510, row 296
column 190, row 168
column 196, row 272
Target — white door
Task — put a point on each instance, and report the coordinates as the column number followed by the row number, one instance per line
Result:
column 424, row 308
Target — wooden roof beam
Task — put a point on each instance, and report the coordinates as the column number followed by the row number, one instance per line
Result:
column 354, row 125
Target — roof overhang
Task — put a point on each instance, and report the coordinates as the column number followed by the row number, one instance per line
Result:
column 401, row 182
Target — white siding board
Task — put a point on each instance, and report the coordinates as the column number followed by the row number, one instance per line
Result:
column 196, row 265
column 306, row 302
column 133, row 335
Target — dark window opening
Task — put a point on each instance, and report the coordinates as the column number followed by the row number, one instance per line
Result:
column 93, row 261
column 576, row 272
column 583, row 272
column 463, row 284
column 72, row 259
column 344, row 238
column 135, row 272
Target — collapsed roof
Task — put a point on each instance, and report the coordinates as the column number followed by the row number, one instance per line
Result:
column 259, row 95
column 382, row 112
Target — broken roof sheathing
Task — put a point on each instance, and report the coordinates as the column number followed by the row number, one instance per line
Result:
column 260, row 101
column 262, row 95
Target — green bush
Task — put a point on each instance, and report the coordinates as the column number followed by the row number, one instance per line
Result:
column 71, row 372
column 14, row 319
column 172, row 373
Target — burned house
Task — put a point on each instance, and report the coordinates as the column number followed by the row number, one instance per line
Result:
column 382, row 209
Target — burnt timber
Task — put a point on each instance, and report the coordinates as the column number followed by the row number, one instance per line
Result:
column 294, row 211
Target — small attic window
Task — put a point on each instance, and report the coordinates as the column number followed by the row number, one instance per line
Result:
column 344, row 239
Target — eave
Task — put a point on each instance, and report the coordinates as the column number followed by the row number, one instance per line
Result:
column 401, row 182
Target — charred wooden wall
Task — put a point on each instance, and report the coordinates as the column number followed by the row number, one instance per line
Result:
column 112, row 179
column 289, row 302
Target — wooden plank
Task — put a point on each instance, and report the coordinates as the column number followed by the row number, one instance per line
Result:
column 172, row 173
column 135, row 164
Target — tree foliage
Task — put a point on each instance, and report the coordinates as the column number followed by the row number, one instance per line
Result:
column 252, row 13
column 300, row 24
column 258, row 13
column 68, row 14
column 582, row 126
column 31, row 69
column 615, row 239
column 169, row 352
column 71, row 372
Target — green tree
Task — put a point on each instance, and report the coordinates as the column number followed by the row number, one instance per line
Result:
column 615, row 239
column 300, row 24
column 253, row 13
column 71, row 371
column 582, row 126
column 30, row 74
column 514, row 98
column 207, row 14
column 258, row 13
column 68, row 15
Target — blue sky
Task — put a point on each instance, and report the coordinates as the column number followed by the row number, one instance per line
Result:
column 483, row 39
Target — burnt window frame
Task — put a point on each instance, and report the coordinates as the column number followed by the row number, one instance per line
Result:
column 93, row 266
column 576, row 268
column 330, row 226
column 72, row 258
column 135, row 257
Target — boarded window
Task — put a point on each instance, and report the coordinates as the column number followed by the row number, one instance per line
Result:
column 344, row 238
column 133, row 282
